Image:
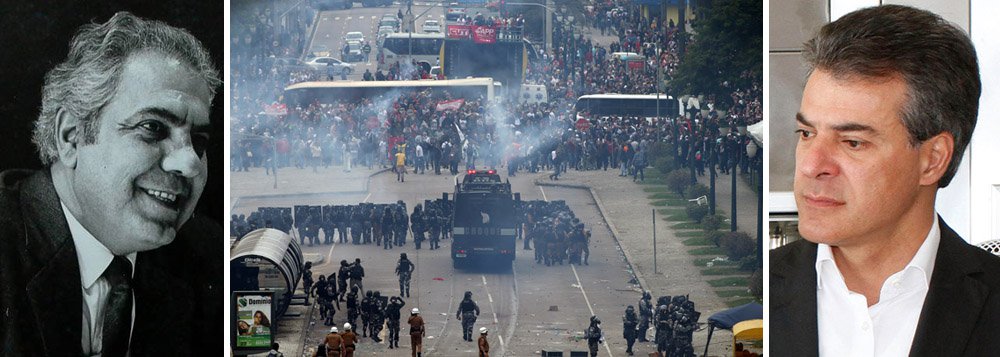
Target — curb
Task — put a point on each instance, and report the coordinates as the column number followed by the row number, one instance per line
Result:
column 611, row 227
column 364, row 189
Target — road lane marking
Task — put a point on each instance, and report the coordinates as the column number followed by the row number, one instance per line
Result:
column 545, row 198
column 578, row 283
column 348, row 18
column 367, row 197
column 337, row 18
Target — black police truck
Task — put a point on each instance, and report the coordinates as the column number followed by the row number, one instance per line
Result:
column 484, row 225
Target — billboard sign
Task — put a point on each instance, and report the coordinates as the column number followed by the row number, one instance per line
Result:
column 459, row 31
column 253, row 321
column 484, row 34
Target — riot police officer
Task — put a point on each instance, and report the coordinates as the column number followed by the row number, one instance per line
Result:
column 468, row 311
column 404, row 268
column 352, row 306
column 388, row 228
column 307, row 280
column 319, row 290
column 664, row 331
column 629, row 321
column 417, row 225
column 594, row 335
column 376, row 316
column 392, row 315
column 357, row 274
column 342, row 275
column 402, row 225
column 366, row 308
column 645, row 315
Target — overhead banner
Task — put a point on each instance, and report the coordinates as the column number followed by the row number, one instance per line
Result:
column 253, row 320
column 450, row 105
column 459, row 31
column 484, row 34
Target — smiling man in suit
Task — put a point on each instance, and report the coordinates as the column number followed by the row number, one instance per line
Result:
column 888, row 109
column 101, row 253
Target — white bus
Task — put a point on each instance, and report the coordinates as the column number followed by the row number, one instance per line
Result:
column 328, row 92
column 639, row 105
column 425, row 48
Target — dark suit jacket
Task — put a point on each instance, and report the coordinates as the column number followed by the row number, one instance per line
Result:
column 960, row 316
column 177, row 288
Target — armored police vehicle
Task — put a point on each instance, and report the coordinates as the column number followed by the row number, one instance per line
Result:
column 484, row 224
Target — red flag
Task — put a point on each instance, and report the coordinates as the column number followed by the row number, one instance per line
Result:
column 450, row 105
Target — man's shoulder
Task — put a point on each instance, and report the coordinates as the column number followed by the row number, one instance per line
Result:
column 794, row 254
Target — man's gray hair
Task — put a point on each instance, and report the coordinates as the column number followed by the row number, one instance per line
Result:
column 935, row 58
column 86, row 81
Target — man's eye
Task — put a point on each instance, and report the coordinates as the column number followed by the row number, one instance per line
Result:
column 804, row 134
column 853, row 144
column 154, row 129
column 200, row 144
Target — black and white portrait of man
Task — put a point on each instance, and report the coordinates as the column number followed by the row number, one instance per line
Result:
column 111, row 181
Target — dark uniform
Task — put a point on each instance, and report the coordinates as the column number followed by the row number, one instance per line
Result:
column 594, row 335
column 342, row 275
column 417, row 225
column 307, row 280
column 376, row 316
column 468, row 311
column 402, row 225
column 357, row 274
column 352, row 306
column 405, row 270
column 629, row 322
column 392, row 319
column 366, row 308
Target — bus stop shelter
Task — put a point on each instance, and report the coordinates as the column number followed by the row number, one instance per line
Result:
column 267, row 259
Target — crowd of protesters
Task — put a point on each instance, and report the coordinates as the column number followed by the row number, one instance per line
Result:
column 510, row 135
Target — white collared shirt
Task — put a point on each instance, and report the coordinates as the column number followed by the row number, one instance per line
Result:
column 847, row 326
column 94, row 258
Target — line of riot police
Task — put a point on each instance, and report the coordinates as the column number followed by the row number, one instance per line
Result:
column 674, row 320
column 557, row 234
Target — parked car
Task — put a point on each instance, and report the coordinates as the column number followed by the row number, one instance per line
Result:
column 354, row 52
column 432, row 26
column 454, row 12
column 320, row 64
column 389, row 20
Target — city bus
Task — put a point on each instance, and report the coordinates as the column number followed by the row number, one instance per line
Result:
column 424, row 48
column 305, row 93
column 638, row 105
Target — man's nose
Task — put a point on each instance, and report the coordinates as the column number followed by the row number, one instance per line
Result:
column 182, row 160
column 817, row 159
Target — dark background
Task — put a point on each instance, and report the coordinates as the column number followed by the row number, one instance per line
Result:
column 35, row 36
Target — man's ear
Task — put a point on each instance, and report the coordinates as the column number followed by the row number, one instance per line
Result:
column 935, row 156
column 68, row 136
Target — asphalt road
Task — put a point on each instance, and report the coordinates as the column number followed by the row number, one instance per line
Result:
column 333, row 25
column 528, row 309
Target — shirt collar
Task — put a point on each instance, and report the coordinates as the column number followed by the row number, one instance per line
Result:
column 922, row 261
column 91, row 254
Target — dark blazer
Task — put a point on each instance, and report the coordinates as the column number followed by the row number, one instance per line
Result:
column 960, row 317
column 177, row 289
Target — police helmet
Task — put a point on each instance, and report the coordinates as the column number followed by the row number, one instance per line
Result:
column 347, row 326
column 415, row 311
column 630, row 308
column 377, row 294
column 333, row 329
column 368, row 293
column 354, row 289
column 343, row 262
column 483, row 330
column 468, row 294
column 595, row 320
column 402, row 255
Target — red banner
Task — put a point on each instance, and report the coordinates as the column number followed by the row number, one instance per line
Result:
column 450, row 105
column 276, row 109
column 484, row 34
column 635, row 64
column 582, row 124
column 459, row 31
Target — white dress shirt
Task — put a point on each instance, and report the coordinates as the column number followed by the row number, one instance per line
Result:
column 847, row 326
column 94, row 258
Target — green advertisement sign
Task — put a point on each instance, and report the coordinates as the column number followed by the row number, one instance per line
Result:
column 253, row 320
